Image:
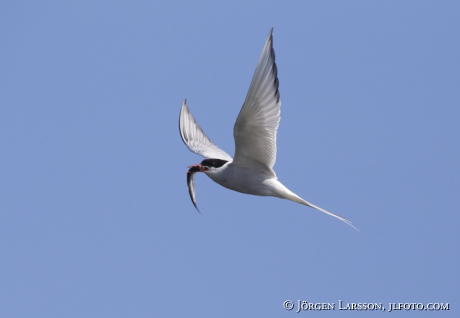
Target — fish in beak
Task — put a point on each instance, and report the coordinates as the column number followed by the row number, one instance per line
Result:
column 191, row 181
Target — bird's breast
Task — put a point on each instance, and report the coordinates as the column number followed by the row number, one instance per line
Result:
column 241, row 179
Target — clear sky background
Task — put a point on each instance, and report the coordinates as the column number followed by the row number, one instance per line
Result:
column 95, row 216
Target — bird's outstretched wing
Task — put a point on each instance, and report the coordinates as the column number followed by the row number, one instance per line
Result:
column 195, row 139
column 257, row 123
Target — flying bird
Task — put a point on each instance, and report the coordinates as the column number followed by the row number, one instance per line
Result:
column 251, row 171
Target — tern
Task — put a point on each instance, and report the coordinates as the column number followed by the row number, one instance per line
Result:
column 251, row 171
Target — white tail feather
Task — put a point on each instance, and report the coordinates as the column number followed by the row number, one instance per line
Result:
column 327, row 212
column 294, row 197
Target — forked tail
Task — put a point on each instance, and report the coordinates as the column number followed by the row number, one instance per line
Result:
column 294, row 197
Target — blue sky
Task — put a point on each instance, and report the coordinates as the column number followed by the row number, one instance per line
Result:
column 95, row 217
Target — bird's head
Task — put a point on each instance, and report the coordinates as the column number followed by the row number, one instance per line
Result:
column 210, row 165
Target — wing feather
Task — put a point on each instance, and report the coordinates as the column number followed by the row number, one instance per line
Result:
column 195, row 139
column 257, row 123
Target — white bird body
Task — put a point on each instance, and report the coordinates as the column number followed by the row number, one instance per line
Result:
column 251, row 171
column 242, row 179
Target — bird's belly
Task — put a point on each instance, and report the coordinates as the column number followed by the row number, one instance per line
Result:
column 244, row 181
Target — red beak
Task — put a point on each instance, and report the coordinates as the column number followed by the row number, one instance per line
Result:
column 197, row 168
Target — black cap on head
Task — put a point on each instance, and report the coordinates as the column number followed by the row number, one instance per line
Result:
column 216, row 163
